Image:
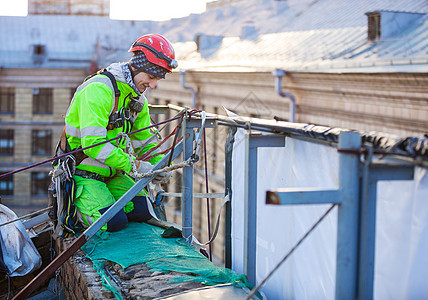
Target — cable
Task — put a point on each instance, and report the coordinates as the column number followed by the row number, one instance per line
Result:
column 82, row 149
column 208, row 199
column 29, row 215
column 226, row 199
column 122, row 289
column 254, row 290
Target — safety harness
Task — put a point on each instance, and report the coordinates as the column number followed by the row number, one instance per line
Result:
column 63, row 188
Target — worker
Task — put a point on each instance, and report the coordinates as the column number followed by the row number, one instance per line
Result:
column 106, row 105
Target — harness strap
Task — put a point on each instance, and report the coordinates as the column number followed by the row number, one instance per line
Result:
column 65, row 147
column 113, row 82
column 63, row 141
column 90, row 175
column 116, row 92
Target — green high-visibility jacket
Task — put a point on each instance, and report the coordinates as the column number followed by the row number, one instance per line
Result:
column 87, row 119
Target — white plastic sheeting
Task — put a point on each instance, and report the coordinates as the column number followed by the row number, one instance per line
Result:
column 19, row 253
column 401, row 265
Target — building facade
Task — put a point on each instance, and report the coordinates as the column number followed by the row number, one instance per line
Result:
column 69, row 7
column 33, row 104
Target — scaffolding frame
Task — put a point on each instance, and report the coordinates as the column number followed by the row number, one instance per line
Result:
column 355, row 197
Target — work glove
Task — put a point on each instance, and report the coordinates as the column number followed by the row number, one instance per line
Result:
column 143, row 166
column 162, row 177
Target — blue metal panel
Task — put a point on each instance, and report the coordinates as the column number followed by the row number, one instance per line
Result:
column 187, row 199
column 187, row 192
column 196, row 123
column 302, row 196
column 250, row 210
column 250, row 219
column 348, row 213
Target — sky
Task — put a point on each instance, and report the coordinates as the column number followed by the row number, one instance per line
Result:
column 157, row 10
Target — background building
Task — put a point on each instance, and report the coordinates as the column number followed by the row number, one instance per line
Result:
column 353, row 64
column 69, row 7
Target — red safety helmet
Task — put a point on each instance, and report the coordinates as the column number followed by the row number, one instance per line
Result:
column 157, row 49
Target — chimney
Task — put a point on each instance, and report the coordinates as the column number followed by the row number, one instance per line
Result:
column 207, row 42
column 373, row 26
column 389, row 24
column 248, row 30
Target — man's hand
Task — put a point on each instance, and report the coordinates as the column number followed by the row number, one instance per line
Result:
column 143, row 166
column 162, row 177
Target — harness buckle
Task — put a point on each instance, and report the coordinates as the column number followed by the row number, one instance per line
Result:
column 118, row 118
column 135, row 105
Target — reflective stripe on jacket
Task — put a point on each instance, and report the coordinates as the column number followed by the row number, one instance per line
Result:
column 86, row 124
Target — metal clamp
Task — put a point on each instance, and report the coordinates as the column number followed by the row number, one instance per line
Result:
column 198, row 138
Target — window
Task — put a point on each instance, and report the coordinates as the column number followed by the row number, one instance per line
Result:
column 7, row 100
column 6, row 141
column 39, row 54
column 42, row 101
column 39, row 183
column 6, row 185
column 41, row 142
column 39, row 49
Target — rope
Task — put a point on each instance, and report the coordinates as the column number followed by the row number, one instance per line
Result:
column 176, row 130
column 118, row 283
column 254, row 290
column 157, row 132
column 82, row 149
column 217, row 225
column 146, row 156
column 186, row 163
column 208, row 199
column 175, row 139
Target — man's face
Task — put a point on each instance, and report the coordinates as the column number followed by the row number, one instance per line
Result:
column 143, row 80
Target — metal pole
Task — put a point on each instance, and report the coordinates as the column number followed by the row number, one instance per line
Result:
column 252, row 143
column 348, row 218
column 187, row 199
column 183, row 84
column 279, row 73
column 228, row 184
column 367, row 231
column 373, row 172
column 250, row 209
